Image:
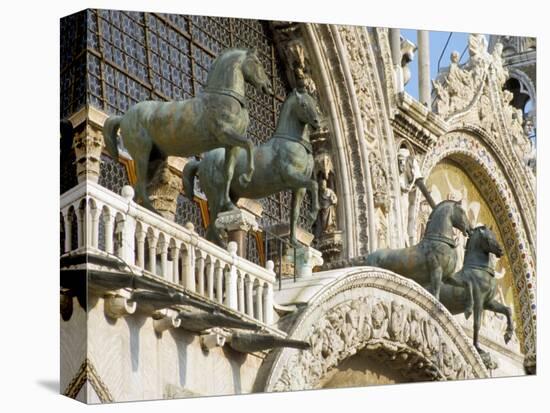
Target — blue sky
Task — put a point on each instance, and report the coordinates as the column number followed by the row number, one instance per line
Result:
column 457, row 42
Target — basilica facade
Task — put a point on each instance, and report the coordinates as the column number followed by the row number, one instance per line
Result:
column 151, row 309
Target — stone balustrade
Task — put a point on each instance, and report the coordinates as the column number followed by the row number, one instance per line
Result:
column 95, row 218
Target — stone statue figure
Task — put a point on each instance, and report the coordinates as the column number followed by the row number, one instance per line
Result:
column 408, row 50
column 409, row 172
column 498, row 62
column 216, row 118
column 326, row 221
column 434, row 258
column 459, row 82
column 284, row 162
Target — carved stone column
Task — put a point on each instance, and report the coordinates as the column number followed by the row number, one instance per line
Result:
column 395, row 44
column 306, row 259
column 237, row 223
column 166, row 185
column 424, row 88
column 87, row 146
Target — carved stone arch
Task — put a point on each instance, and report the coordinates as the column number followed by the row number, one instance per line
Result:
column 367, row 309
column 347, row 82
column 493, row 182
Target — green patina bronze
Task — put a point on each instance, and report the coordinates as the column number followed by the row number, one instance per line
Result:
column 434, row 258
column 284, row 162
column 476, row 284
column 216, row 118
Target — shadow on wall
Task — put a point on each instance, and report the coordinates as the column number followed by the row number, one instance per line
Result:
column 236, row 360
column 182, row 341
column 134, row 326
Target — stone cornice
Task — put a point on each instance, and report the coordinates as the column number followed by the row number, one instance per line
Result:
column 417, row 123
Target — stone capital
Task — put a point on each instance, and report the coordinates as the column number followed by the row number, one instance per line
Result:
column 306, row 259
column 237, row 220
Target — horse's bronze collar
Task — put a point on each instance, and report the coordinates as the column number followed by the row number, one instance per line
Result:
column 488, row 270
column 228, row 92
column 441, row 238
column 307, row 145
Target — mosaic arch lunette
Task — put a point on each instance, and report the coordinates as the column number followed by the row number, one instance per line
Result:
column 395, row 320
column 486, row 173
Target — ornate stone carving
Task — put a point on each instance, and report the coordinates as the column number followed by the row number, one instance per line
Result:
column 288, row 38
column 379, row 183
column 164, row 189
column 326, row 221
column 165, row 319
column 118, row 304
column 327, row 240
column 389, row 330
column 408, row 50
column 214, row 338
column 409, row 172
column 87, row 146
column 361, row 81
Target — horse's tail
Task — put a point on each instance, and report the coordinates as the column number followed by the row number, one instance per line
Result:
column 110, row 129
column 189, row 173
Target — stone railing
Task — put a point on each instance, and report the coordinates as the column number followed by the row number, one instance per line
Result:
column 95, row 218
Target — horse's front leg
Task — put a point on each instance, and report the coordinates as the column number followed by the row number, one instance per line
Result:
column 478, row 312
column 460, row 280
column 231, row 138
column 436, row 276
column 500, row 308
column 297, row 179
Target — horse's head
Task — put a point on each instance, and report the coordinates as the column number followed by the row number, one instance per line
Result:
column 254, row 73
column 485, row 239
column 459, row 219
column 306, row 109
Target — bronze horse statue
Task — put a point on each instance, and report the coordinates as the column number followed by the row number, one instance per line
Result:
column 216, row 118
column 434, row 258
column 479, row 285
column 284, row 162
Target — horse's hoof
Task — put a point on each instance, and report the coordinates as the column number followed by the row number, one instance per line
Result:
column 468, row 313
column 244, row 179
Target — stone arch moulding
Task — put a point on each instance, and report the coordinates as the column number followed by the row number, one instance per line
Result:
column 348, row 98
column 367, row 309
column 487, row 174
column 335, row 92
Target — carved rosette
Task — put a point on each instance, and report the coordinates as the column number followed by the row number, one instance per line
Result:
column 384, row 315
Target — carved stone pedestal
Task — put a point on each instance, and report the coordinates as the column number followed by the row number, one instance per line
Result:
column 303, row 237
column 330, row 245
column 306, row 259
column 283, row 231
column 166, row 186
column 237, row 223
